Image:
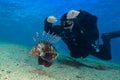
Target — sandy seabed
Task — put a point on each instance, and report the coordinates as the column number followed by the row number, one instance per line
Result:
column 17, row 64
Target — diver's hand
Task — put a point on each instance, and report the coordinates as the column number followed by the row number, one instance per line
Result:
column 72, row 14
column 51, row 19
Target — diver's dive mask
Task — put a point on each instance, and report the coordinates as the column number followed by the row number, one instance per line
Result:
column 68, row 24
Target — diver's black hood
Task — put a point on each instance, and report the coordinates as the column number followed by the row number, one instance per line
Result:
column 64, row 18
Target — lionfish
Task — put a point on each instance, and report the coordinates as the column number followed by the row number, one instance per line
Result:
column 44, row 48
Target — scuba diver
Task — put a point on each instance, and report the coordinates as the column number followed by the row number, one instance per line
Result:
column 78, row 30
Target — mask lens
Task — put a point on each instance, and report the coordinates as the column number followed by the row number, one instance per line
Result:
column 67, row 23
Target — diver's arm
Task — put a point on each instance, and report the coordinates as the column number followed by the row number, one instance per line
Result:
column 48, row 26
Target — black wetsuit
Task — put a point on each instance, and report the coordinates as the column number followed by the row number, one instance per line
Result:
column 82, row 37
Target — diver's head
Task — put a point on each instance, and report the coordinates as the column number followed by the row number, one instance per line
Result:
column 67, row 23
column 68, row 19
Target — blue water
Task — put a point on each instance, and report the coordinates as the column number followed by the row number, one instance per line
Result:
column 20, row 19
